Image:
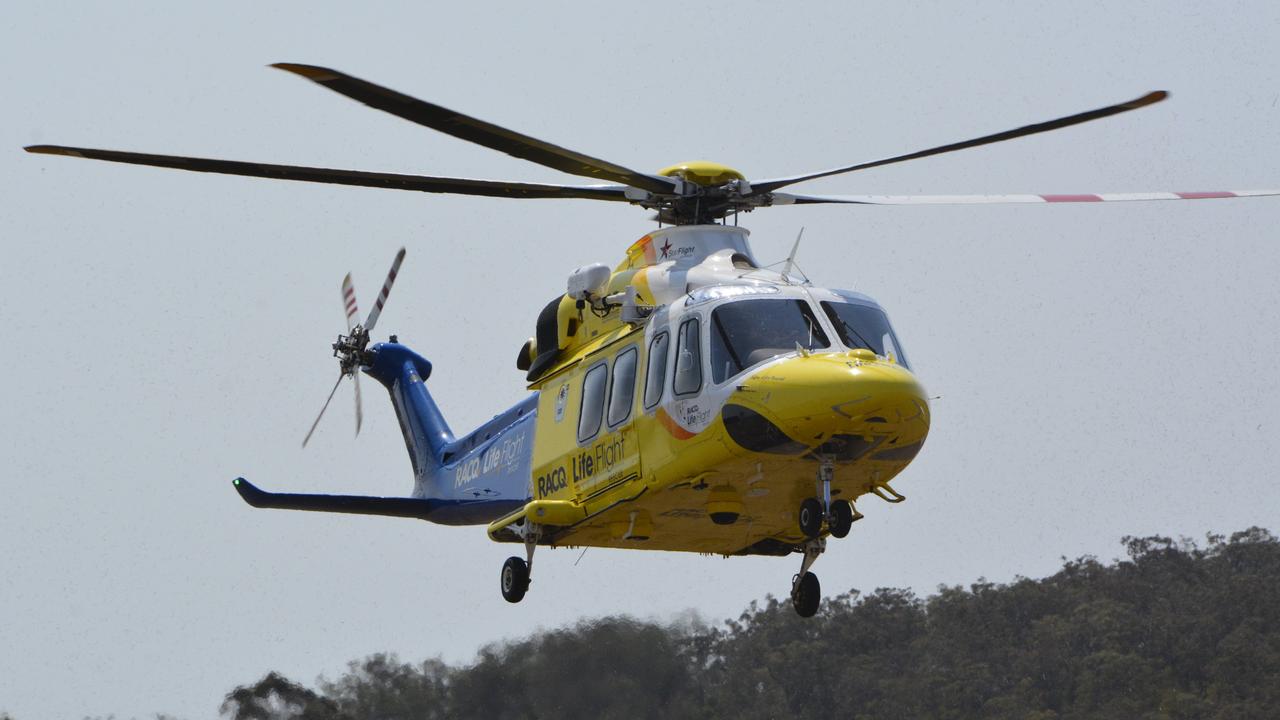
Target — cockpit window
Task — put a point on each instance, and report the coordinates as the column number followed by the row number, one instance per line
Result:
column 864, row 326
column 747, row 332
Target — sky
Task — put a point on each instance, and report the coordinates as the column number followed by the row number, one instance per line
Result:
column 1101, row 370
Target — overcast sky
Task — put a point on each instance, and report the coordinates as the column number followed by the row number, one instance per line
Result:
column 1103, row 370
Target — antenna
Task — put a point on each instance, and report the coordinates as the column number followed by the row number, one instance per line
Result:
column 791, row 259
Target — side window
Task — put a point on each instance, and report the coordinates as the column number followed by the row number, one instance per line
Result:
column 688, row 359
column 622, row 393
column 656, row 374
column 592, row 402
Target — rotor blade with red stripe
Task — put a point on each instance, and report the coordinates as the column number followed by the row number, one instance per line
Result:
column 349, row 302
column 1149, row 99
column 386, row 290
column 791, row 199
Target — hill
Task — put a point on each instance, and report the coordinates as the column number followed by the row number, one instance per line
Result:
column 1176, row 630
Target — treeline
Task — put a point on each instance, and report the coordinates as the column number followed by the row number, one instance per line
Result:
column 1175, row 631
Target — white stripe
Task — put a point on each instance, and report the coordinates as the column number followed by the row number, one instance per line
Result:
column 788, row 199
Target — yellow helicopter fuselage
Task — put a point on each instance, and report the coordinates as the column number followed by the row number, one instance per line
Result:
column 644, row 441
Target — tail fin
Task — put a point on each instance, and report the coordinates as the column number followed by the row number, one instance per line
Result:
column 426, row 434
column 469, row 480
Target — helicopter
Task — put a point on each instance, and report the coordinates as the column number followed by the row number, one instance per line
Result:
column 687, row 398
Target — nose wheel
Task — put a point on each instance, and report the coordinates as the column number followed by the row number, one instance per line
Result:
column 838, row 514
column 811, row 518
column 840, row 519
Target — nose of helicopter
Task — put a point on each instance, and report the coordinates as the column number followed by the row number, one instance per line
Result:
column 842, row 404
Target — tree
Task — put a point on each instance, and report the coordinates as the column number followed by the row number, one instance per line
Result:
column 1176, row 631
column 275, row 697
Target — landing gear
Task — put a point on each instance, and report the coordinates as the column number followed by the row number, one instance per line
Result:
column 838, row 514
column 514, row 580
column 841, row 518
column 806, row 595
column 811, row 518
column 806, row 592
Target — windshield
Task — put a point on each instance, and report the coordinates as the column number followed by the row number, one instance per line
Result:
column 864, row 326
column 746, row 332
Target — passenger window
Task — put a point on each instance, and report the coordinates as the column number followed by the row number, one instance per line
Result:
column 656, row 375
column 688, row 359
column 623, row 391
column 592, row 402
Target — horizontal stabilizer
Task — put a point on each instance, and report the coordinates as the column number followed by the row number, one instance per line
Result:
column 354, row 504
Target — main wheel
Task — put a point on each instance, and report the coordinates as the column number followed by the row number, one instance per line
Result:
column 811, row 517
column 515, row 579
column 806, row 595
column 841, row 518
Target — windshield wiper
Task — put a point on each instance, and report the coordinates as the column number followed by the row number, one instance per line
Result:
column 856, row 334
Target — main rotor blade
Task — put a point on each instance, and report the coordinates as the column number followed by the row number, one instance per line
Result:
column 1148, row 99
column 386, row 290
column 326, row 407
column 465, row 127
column 790, row 199
column 393, row 181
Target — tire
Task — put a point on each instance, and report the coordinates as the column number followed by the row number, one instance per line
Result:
column 514, row 581
column 806, row 595
column 811, row 517
column 841, row 519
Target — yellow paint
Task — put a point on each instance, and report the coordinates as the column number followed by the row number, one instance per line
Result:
column 649, row 483
column 702, row 172
column 677, row 482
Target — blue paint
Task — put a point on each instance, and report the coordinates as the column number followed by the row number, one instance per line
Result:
column 470, row 480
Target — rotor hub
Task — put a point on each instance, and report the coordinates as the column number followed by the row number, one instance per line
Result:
column 702, row 172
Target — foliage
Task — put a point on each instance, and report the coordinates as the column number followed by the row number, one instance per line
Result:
column 1175, row 632
column 275, row 697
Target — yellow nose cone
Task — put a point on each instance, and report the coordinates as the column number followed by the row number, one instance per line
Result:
column 702, row 172
column 847, row 402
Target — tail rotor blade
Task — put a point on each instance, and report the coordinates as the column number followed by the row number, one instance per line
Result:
column 349, row 301
column 386, row 290
column 359, row 407
column 326, row 407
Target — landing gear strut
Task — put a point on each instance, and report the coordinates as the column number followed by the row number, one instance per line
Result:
column 514, row 580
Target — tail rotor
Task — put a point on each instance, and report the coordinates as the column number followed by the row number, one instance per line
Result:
column 350, row 349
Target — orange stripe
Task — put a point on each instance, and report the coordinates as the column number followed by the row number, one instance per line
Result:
column 672, row 427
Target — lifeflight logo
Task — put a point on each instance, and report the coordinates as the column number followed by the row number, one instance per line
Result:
column 584, row 466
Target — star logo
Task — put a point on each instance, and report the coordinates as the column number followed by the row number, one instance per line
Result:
column 666, row 248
